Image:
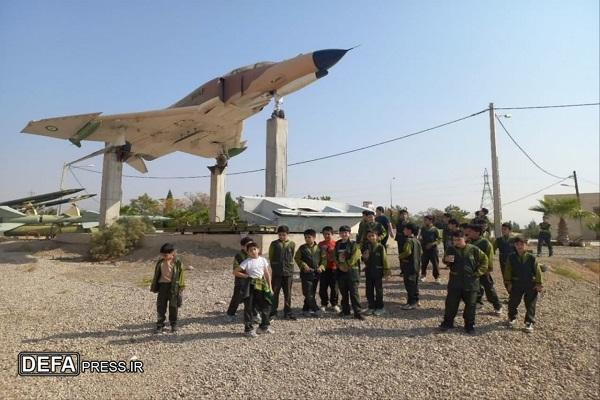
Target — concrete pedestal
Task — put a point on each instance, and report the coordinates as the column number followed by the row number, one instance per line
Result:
column 216, row 211
column 276, row 169
column 111, row 192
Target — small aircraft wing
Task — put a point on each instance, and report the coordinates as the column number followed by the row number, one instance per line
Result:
column 203, row 130
column 19, row 203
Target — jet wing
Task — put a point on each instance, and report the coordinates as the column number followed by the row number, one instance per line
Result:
column 203, row 130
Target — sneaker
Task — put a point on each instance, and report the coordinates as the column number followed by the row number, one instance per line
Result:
column 470, row 330
column 158, row 330
column 528, row 327
column 265, row 331
column 337, row 309
column 422, row 279
column 323, row 308
column 250, row 334
column 438, row 281
column 369, row 311
column 359, row 317
column 408, row 307
column 444, row 327
column 511, row 323
column 498, row 311
column 231, row 318
column 379, row 312
column 290, row 317
column 174, row 329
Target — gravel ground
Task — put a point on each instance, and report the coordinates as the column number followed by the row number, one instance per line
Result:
column 54, row 301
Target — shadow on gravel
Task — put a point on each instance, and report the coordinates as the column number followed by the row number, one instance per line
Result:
column 177, row 338
column 91, row 334
column 427, row 296
column 17, row 259
column 394, row 310
column 214, row 318
column 134, row 333
column 380, row 332
column 409, row 332
column 433, row 286
column 80, row 258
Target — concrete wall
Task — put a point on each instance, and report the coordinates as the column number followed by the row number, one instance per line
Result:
column 228, row 240
column 589, row 202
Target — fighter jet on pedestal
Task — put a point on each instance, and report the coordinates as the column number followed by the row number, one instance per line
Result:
column 207, row 122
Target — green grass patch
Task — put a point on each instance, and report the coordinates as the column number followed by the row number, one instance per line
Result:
column 567, row 272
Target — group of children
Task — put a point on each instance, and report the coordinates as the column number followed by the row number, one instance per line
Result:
column 335, row 267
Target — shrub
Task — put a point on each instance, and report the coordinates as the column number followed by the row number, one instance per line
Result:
column 119, row 238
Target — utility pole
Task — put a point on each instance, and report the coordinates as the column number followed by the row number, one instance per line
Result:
column 391, row 200
column 576, row 187
column 579, row 201
column 495, row 174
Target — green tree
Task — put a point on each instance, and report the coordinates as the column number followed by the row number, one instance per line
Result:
column 593, row 224
column 532, row 230
column 457, row 213
column 120, row 238
column 142, row 205
column 515, row 227
column 169, row 203
column 231, row 209
column 566, row 207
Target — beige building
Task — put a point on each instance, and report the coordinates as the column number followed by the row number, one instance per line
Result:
column 589, row 202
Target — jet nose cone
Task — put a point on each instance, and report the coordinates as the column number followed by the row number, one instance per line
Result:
column 325, row 59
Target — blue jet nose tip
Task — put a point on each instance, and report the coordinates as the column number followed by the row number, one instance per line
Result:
column 325, row 59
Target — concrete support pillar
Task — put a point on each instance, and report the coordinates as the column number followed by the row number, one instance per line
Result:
column 216, row 211
column 276, row 170
column 111, row 192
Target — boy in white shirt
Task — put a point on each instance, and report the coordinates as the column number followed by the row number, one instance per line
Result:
column 260, row 293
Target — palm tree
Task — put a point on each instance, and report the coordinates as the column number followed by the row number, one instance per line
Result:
column 567, row 207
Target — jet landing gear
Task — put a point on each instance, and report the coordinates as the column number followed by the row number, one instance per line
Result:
column 278, row 111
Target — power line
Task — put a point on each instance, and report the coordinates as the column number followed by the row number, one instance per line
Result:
column 551, row 106
column 590, row 182
column 81, row 185
column 537, row 191
column 390, row 140
column 145, row 177
column 310, row 160
column 524, row 152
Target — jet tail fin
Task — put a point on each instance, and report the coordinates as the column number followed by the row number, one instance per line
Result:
column 136, row 162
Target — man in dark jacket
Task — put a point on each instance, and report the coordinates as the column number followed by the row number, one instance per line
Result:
column 467, row 264
column 281, row 258
column 410, row 265
column 523, row 279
